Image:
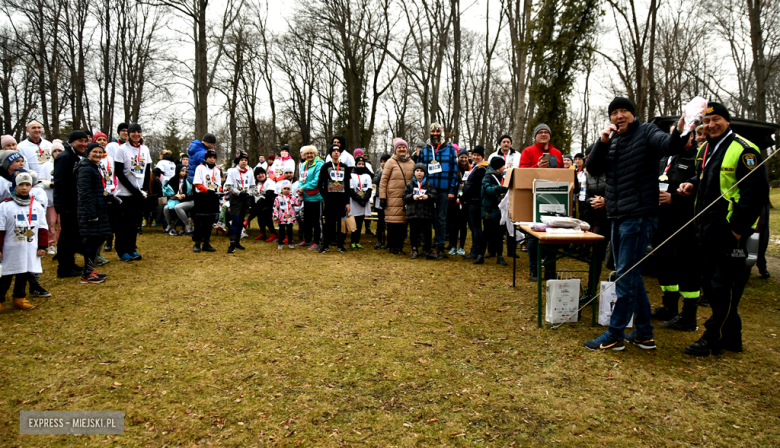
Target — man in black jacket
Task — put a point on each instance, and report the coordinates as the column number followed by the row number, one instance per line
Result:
column 628, row 152
column 66, row 203
column 725, row 225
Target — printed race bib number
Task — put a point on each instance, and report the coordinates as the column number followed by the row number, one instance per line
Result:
column 419, row 192
column 466, row 176
column 304, row 175
column 138, row 167
column 337, row 176
column 434, row 168
column 663, row 187
column 23, row 232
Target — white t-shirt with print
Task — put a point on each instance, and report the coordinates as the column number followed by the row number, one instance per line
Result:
column 20, row 247
column 210, row 178
column 136, row 161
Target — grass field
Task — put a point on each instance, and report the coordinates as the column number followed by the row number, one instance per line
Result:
column 292, row 348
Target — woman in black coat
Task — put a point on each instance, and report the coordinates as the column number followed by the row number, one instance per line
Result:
column 92, row 209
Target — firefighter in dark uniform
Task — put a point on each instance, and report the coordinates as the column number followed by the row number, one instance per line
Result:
column 723, row 229
column 677, row 275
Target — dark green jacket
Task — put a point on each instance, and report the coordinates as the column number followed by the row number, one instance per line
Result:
column 492, row 194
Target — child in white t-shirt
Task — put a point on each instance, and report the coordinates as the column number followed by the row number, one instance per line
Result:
column 23, row 239
column 207, row 183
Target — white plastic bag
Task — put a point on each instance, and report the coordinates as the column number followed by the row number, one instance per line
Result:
column 694, row 112
column 563, row 299
column 607, row 303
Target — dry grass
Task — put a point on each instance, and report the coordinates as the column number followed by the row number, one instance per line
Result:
column 298, row 349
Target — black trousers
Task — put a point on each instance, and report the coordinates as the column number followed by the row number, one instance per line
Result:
column 239, row 208
column 206, row 214
column 677, row 268
column 334, row 211
column 69, row 242
column 600, row 225
column 477, row 237
column 356, row 234
column 420, row 229
column 130, row 211
column 113, row 217
column 285, row 230
column 724, row 272
column 19, row 286
column 312, row 222
column 457, row 223
column 494, row 236
column 396, row 235
column 91, row 251
column 763, row 240
column 381, row 227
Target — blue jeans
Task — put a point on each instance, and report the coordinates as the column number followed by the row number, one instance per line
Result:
column 440, row 220
column 630, row 237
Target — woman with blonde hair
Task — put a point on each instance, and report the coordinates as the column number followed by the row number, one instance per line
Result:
column 395, row 175
column 309, row 175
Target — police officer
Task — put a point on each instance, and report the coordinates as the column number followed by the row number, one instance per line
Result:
column 677, row 275
column 723, row 230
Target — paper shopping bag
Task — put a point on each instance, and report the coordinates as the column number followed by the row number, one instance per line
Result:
column 348, row 224
column 563, row 298
column 607, row 303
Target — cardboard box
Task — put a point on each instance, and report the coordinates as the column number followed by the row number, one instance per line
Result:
column 521, row 187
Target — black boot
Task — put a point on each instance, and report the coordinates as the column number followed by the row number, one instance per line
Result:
column 669, row 310
column 500, row 260
column 238, row 245
column 414, row 253
column 685, row 321
column 206, row 246
column 479, row 260
column 700, row 348
column 196, row 247
column 534, row 276
column 232, row 247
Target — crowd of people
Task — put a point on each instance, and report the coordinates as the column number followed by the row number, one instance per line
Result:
column 91, row 195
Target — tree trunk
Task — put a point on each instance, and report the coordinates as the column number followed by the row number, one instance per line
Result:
column 201, row 72
column 759, row 61
column 456, row 71
column 521, row 48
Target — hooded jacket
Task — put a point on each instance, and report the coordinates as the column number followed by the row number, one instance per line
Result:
column 472, row 191
column 492, row 194
column 196, row 151
column 91, row 200
column 310, row 185
column 395, row 175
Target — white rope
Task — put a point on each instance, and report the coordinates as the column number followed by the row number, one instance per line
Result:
column 667, row 240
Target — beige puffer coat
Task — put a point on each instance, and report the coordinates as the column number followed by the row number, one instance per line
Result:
column 395, row 175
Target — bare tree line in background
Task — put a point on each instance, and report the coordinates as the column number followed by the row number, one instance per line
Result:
column 373, row 69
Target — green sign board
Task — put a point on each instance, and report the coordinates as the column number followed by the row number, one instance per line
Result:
column 550, row 199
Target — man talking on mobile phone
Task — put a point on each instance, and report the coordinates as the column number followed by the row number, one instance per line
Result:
column 627, row 152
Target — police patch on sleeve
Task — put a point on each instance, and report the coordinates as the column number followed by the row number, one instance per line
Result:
column 750, row 161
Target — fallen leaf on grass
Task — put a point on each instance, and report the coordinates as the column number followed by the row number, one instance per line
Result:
column 408, row 425
column 432, row 420
column 422, row 361
column 115, row 385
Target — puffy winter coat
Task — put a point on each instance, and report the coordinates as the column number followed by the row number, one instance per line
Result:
column 492, row 194
column 92, row 201
column 196, row 151
column 419, row 209
column 395, row 175
column 630, row 162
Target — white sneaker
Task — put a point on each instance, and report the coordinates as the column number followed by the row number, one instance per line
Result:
column 52, row 250
column 244, row 235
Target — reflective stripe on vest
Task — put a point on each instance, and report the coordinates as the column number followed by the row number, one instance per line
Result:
column 728, row 171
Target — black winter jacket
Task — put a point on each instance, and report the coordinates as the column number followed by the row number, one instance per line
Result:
column 91, row 200
column 472, row 191
column 65, row 193
column 325, row 181
column 630, row 162
column 682, row 168
column 419, row 209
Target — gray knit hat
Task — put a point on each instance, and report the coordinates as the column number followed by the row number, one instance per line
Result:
column 541, row 126
column 7, row 157
column 420, row 166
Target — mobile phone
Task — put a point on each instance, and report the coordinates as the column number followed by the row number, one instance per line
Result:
column 546, row 157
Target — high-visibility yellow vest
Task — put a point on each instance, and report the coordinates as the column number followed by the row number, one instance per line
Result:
column 728, row 170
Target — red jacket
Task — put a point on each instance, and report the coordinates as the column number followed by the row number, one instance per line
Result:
column 529, row 158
